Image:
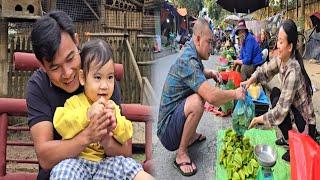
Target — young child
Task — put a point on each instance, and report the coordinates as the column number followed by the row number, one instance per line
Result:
column 97, row 77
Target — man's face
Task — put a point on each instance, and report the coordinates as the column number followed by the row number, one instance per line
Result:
column 204, row 44
column 63, row 70
column 99, row 81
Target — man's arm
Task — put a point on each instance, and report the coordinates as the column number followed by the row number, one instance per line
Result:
column 114, row 148
column 50, row 152
column 217, row 96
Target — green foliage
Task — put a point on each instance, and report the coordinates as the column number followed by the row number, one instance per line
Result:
column 276, row 4
column 215, row 11
column 193, row 6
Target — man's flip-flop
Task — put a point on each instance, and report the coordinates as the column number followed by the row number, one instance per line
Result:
column 200, row 139
column 178, row 166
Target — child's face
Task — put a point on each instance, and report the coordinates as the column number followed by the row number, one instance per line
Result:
column 98, row 82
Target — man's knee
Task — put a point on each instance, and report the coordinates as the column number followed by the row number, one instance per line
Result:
column 195, row 104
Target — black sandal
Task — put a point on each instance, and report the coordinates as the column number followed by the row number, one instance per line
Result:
column 200, row 139
column 281, row 142
column 286, row 156
column 178, row 166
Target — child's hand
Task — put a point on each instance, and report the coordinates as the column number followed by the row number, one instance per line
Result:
column 98, row 123
column 96, row 108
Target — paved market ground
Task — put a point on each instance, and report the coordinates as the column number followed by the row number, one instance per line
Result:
column 204, row 154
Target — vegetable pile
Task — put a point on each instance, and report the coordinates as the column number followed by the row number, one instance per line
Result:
column 237, row 156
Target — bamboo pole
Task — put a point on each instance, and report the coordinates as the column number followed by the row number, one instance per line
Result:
column 134, row 63
column 92, row 11
column 303, row 14
column 3, row 57
column 105, row 34
column 149, row 91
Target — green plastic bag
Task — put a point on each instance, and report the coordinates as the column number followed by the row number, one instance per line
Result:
column 229, row 105
column 242, row 115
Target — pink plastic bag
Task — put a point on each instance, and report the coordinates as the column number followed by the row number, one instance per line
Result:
column 304, row 157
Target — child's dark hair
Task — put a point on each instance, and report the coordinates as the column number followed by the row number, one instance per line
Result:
column 97, row 51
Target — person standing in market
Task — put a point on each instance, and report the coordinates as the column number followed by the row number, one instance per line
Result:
column 185, row 91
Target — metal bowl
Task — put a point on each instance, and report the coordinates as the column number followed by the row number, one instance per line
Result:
column 266, row 156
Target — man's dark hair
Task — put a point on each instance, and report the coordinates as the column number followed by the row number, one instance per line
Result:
column 46, row 34
column 95, row 51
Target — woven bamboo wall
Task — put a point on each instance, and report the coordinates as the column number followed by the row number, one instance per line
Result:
column 311, row 7
column 142, row 49
column 17, row 80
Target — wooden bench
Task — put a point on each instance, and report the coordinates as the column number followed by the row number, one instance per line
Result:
column 17, row 107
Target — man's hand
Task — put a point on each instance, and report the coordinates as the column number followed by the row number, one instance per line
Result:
column 240, row 93
column 255, row 121
column 237, row 62
column 111, row 115
column 96, row 108
column 215, row 75
column 99, row 121
column 106, row 141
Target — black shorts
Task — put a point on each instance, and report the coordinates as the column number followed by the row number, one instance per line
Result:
column 173, row 132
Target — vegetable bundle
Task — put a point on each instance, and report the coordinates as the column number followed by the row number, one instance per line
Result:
column 237, row 156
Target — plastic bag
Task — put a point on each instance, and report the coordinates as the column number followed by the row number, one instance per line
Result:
column 242, row 115
column 236, row 77
column 227, row 107
column 232, row 75
column 304, row 157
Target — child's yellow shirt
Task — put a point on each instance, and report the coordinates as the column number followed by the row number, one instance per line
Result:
column 72, row 119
